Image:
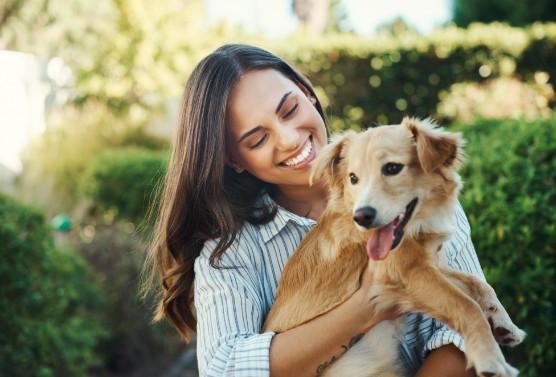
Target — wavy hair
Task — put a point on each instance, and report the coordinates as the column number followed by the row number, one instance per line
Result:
column 201, row 197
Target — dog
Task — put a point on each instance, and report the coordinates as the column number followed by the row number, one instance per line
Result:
column 392, row 196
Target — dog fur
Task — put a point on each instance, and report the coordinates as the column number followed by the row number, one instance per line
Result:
column 326, row 268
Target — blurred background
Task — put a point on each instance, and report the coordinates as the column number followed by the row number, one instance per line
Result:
column 89, row 94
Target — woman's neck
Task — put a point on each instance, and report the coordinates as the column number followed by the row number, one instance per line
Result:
column 306, row 201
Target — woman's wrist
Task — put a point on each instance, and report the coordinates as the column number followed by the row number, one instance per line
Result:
column 362, row 310
column 366, row 312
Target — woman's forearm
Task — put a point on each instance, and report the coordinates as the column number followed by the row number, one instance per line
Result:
column 446, row 361
column 308, row 349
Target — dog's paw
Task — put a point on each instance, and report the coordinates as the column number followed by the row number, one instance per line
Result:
column 496, row 369
column 503, row 329
column 488, row 361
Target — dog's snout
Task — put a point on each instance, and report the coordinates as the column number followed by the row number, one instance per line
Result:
column 365, row 216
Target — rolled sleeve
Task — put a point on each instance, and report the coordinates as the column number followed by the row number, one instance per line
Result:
column 246, row 355
column 230, row 315
column 442, row 336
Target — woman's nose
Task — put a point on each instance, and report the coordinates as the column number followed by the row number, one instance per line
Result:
column 288, row 138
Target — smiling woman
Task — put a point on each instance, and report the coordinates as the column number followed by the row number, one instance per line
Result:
column 235, row 204
column 278, row 130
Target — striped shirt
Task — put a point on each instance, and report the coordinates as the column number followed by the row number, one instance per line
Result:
column 231, row 304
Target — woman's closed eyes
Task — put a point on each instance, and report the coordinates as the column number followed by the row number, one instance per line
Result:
column 290, row 113
column 260, row 142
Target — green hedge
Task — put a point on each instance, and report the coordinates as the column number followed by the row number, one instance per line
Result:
column 381, row 79
column 48, row 300
column 125, row 180
column 509, row 196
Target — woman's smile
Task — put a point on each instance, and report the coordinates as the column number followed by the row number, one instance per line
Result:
column 302, row 159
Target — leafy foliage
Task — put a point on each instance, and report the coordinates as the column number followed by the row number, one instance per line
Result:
column 55, row 163
column 363, row 81
column 49, row 299
column 518, row 12
column 501, row 98
column 125, row 180
column 133, row 346
column 509, row 195
column 122, row 52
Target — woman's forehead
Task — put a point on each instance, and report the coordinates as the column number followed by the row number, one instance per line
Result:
column 256, row 95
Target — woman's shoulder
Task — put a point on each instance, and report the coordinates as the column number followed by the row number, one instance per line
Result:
column 243, row 250
column 460, row 219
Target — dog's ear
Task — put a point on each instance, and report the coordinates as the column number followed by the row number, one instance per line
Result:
column 436, row 148
column 325, row 165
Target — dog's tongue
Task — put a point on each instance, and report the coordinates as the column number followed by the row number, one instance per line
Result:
column 378, row 246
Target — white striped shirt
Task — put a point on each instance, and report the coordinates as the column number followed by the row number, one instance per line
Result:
column 231, row 304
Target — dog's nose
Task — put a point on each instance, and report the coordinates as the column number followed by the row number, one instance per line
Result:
column 365, row 216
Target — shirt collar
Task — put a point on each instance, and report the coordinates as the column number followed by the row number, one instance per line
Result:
column 283, row 216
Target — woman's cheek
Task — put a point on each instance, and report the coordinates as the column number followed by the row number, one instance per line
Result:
column 263, row 160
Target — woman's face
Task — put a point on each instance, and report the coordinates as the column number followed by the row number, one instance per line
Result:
column 274, row 129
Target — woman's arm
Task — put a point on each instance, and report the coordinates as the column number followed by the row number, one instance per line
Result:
column 446, row 361
column 230, row 314
column 308, row 349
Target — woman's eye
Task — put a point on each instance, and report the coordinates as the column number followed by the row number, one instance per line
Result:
column 291, row 111
column 392, row 168
column 258, row 143
column 353, row 178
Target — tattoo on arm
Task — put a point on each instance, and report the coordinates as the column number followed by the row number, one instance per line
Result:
column 326, row 364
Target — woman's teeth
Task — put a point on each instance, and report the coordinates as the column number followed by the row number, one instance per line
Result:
column 301, row 156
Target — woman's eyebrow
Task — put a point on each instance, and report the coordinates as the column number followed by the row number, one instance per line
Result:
column 282, row 101
column 252, row 131
column 249, row 133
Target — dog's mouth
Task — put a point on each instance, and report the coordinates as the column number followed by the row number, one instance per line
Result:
column 388, row 237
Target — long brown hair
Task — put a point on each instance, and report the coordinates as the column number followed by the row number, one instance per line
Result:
column 201, row 197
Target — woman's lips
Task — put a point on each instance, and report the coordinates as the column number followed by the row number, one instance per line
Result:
column 305, row 162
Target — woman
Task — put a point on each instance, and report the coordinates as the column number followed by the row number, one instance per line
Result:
column 236, row 202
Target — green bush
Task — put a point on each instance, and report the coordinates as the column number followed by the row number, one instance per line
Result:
column 125, row 180
column 48, row 300
column 134, row 346
column 509, row 196
column 55, row 162
column 521, row 12
column 501, row 98
column 379, row 80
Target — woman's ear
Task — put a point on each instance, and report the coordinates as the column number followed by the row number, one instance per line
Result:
column 312, row 99
column 234, row 165
column 307, row 93
column 238, row 169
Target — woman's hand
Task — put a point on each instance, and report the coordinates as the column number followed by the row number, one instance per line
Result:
column 366, row 298
column 308, row 348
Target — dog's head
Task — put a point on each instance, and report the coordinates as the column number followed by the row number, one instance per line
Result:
column 392, row 179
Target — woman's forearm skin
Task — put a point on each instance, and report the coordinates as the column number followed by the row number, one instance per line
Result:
column 308, row 349
column 446, row 361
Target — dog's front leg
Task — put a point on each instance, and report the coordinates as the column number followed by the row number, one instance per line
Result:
column 504, row 330
column 429, row 291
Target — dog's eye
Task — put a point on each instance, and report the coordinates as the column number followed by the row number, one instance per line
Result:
column 353, row 178
column 391, row 168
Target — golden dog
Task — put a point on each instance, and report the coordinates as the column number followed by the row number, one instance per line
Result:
column 393, row 191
